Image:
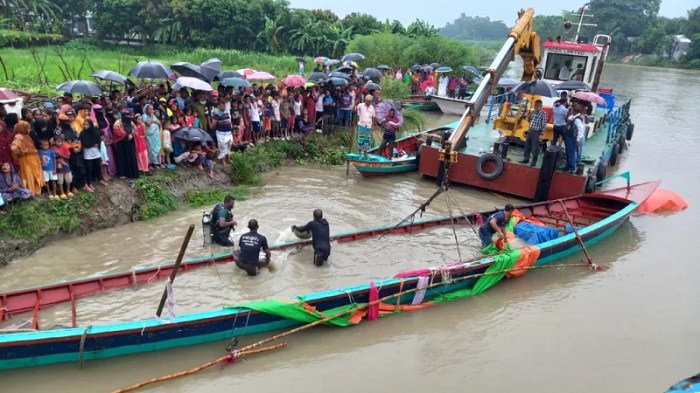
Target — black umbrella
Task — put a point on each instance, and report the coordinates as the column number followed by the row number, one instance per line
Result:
column 337, row 74
column 151, row 70
column 415, row 67
column 344, row 69
column 110, row 76
column 372, row 73
column 474, row 71
column 188, row 69
column 228, row 74
column 317, row 77
column 301, row 59
column 192, row 134
column 372, row 86
column 80, row 87
column 338, row 81
column 210, row 68
column 353, row 57
column 573, row 85
column 537, row 88
column 383, row 67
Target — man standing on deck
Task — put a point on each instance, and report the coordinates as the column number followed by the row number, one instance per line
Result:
column 538, row 122
column 365, row 122
column 496, row 223
column 321, row 236
column 247, row 255
column 560, row 111
column 222, row 222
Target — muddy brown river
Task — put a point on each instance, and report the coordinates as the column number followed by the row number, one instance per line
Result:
column 633, row 328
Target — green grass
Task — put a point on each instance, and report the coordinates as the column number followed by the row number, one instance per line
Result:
column 201, row 198
column 35, row 219
column 41, row 69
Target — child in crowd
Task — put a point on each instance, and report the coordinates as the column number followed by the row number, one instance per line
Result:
column 48, row 166
column 198, row 157
column 64, row 176
column 168, row 141
column 190, row 119
column 238, row 144
column 105, row 157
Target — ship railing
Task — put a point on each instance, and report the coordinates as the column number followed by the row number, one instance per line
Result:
column 617, row 119
column 495, row 103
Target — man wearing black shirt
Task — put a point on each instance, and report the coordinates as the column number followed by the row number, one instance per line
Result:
column 321, row 233
column 496, row 223
column 247, row 255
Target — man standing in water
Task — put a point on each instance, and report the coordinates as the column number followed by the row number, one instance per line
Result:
column 321, row 233
column 496, row 223
column 222, row 222
column 247, row 255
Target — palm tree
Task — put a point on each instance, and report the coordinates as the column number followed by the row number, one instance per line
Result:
column 269, row 35
column 169, row 30
column 421, row 28
column 40, row 8
column 304, row 36
column 338, row 38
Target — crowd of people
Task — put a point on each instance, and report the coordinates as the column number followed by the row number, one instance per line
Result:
column 76, row 145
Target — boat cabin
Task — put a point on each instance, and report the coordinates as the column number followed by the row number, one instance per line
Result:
column 563, row 61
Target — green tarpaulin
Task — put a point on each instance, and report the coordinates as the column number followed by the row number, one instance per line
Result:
column 297, row 312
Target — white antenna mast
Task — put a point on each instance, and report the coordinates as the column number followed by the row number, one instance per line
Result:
column 580, row 23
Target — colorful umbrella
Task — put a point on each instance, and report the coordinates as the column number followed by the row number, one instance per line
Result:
column 321, row 59
column 192, row 83
column 443, row 69
column 246, row 71
column 382, row 109
column 294, row 81
column 261, row 76
column 235, row 82
column 589, row 96
column 350, row 64
column 309, row 84
column 8, row 95
column 151, row 70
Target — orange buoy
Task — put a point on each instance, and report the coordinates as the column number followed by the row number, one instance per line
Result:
column 663, row 201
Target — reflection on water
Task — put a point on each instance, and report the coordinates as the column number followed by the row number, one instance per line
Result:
column 630, row 328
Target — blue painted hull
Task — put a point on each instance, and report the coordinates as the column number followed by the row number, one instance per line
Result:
column 56, row 346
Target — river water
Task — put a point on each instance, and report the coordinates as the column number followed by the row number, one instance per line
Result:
column 631, row 328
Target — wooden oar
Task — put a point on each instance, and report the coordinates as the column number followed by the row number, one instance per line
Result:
column 175, row 268
column 579, row 238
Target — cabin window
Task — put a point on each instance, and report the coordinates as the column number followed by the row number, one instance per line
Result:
column 565, row 67
column 590, row 76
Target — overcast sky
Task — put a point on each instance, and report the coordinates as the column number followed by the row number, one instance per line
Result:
column 439, row 12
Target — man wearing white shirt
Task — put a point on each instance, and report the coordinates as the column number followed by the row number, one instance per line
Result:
column 564, row 71
column 365, row 122
column 580, row 127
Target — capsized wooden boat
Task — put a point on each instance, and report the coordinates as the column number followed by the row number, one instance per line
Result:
column 376, row 164
column 599, row 215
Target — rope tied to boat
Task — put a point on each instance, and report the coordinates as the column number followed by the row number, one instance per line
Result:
column 81, row 354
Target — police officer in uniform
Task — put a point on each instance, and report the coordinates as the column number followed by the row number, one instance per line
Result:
column 222, row 222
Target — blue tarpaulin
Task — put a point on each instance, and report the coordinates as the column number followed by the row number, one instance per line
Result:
column 535, row 234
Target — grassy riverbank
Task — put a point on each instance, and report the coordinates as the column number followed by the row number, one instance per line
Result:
column 41, row 69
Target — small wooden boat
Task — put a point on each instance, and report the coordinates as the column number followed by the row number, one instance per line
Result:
column 597, row 215
column 450, row 106
column 376, row 164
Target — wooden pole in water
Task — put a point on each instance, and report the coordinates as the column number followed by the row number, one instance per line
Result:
column 181, row 255
column 578, row 237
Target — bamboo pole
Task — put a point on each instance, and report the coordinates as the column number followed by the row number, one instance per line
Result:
column 175, row 268
column 198, row 369
column 579, row 239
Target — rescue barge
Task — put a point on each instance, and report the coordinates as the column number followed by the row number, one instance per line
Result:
column 487, row 155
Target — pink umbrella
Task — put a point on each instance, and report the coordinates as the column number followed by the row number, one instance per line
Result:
column 589, row 96
column 260, row 76
column 8, row 95
column 246, row 71
column 294, row 81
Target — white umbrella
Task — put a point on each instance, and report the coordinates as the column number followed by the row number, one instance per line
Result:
column 192, row 83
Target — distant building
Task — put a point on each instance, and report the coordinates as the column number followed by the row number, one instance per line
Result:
column 681, row 44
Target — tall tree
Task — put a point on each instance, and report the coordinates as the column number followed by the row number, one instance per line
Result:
column 362, row 24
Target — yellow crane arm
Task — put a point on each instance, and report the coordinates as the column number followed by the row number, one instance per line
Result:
column 523, row 41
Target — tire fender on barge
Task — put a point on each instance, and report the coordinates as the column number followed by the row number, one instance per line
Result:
column 489, row 157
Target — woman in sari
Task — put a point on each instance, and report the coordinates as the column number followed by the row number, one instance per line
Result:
column 141, row 145
column 11, row 188
column 124, row 132
column 6, row 138
column 108, row 140
column 152, row 125
column 24, row 150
